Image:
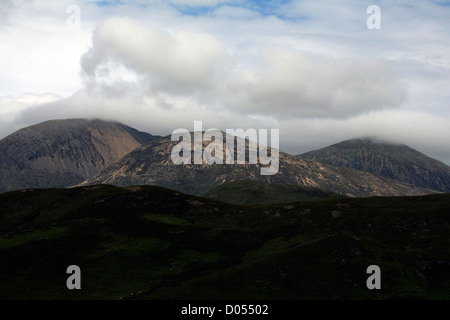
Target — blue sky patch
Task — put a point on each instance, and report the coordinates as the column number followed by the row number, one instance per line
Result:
column 262, row 7
column 108, row 3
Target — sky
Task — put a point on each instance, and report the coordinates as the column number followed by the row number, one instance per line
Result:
column 316, row 70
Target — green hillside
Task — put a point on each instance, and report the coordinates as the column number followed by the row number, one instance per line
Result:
column 153, row 243
column 255, row 192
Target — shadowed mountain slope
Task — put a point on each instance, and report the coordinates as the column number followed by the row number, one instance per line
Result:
column 394, row 161
column 62, row 153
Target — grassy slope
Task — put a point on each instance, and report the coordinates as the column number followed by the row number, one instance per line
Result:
column 255, row 192
column 153, row 243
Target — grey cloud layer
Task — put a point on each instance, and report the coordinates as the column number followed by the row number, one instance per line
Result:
column 295, row 84
column 284, row 82
column 182, row 62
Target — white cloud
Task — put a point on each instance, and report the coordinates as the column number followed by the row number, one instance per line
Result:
column 13, row 108
column 421, row 130
column 295, row 84
column 39, row 53
column 179, row 63
column 285, row 83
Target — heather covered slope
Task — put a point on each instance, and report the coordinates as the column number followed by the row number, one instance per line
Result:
column 255, row 192
column 147, row 242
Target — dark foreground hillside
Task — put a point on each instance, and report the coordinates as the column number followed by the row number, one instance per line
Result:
column 153, row 243
column 256, row 192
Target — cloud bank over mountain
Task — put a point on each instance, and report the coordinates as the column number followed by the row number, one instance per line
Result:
column 284, row 83
column 309, row 68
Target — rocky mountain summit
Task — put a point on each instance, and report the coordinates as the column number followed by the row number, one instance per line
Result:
column 390, row 160
column 61, row 153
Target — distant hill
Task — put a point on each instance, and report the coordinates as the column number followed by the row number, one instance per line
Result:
column 255, row 192
column 394, row 161
column 152, row 164
column 62, row 153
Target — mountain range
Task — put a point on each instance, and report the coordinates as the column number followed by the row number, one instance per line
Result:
column 152, row 164
column 64, row 153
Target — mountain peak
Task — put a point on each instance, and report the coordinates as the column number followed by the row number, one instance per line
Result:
column 388, row 159
column 371, row 140
column 60, row 153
